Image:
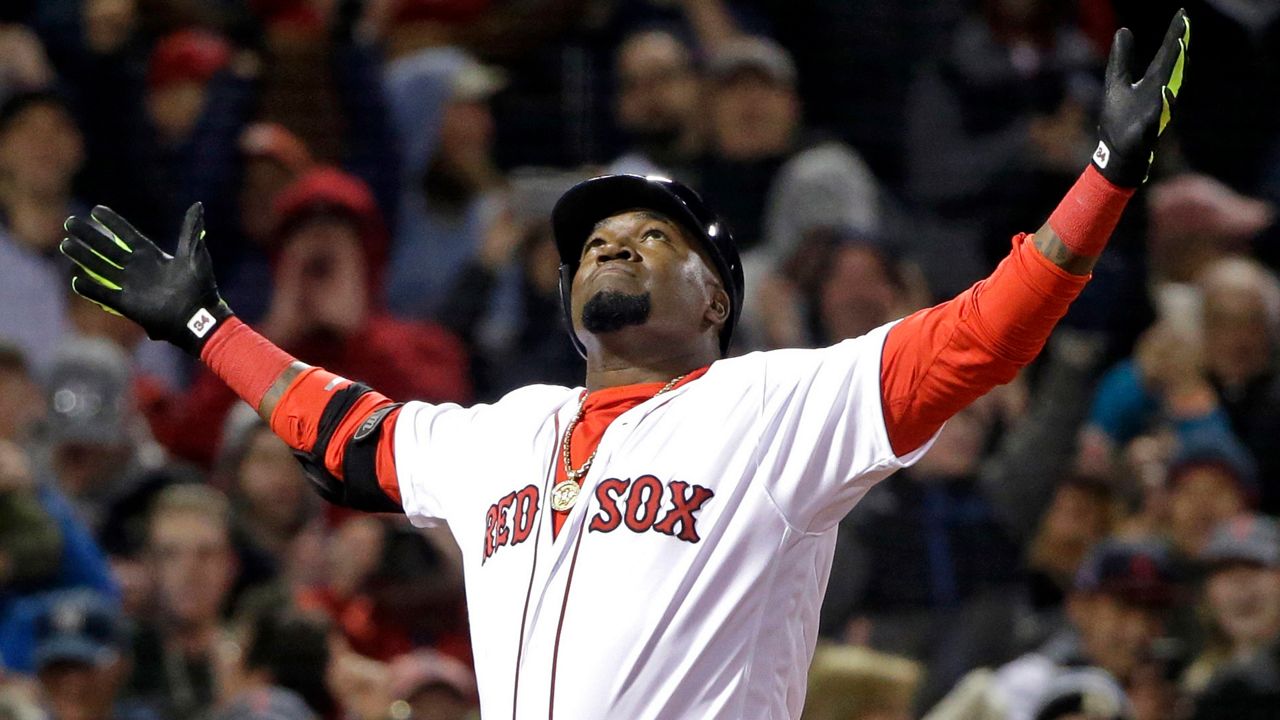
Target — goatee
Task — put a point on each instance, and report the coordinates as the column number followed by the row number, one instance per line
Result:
column 610, row 311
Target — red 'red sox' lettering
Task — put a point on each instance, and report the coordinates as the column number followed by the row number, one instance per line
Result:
column 640, row 504
column 510, row 520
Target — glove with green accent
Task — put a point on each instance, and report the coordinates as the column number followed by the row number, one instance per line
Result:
column 173, row 298
column 1135, row 113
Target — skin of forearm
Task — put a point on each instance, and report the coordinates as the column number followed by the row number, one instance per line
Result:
column 1056, row 251
column 276, row 391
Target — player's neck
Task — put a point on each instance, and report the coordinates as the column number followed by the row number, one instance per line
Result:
column 605, row 369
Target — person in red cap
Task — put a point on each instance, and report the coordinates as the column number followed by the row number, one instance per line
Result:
column 330, row 247
column 178, row 74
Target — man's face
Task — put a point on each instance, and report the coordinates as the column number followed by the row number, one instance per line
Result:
column 175, row 108
column 193, row 564
column 1203, row 497
column 1117, row 634
column 1237, row 330
column 753, row 117
column 271, row 482
column 657, row 88
column 80, row 691
column 639, row 269
column 857, row 295
column 1245, row 600
column 42, row 149
column 264, row 180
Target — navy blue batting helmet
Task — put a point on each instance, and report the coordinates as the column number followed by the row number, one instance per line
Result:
column 578, row 211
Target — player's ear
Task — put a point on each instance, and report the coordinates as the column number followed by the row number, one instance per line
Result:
column 717, row 312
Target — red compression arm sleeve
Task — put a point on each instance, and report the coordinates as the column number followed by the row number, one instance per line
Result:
column 249, row 364
column 939, row 360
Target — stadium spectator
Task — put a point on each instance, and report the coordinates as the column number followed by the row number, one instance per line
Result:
column 99, row 447
column 769, row 179
column 1242, row 595
column 1173, row 379
column 530, row 347
column 178, row 75
column 1211, row 479
column 1119, row 609
column 82, row 660
column 278, row 519
column 41, row 149
column 194, row 566
column 279, row 658
column 450, row 193
column 20, row 403
column 837, row 284
column 998, row 126
column 657, row 106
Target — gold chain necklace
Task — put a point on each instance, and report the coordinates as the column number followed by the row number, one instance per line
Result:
column 565, row 493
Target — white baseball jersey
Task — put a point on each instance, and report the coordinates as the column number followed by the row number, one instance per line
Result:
column 687, row 579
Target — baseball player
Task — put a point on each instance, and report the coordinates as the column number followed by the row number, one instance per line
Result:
column 655, row 544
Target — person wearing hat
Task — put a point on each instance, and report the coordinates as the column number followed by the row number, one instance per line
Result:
column 1241, row 593
column 1211, row 478
column 1117, row 611
column 82, row 660
column 770, row 179
column 451, row 196
column 328, row 257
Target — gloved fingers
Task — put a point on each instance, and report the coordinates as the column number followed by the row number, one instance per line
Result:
column 1172, row 52
column 122, row 231
column 94, row 292
column 191, row 240
column 98, row 241
column 97, row 267
column 1120, row 61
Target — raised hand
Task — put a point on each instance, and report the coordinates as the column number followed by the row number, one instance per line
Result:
column 173, row 297
column 1134, row 113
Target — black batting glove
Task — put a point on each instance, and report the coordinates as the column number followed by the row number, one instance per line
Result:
column 173, row 298
column 1135, row 113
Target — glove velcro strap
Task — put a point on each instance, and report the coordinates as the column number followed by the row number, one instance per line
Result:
column 330, row 487
column 360, row 466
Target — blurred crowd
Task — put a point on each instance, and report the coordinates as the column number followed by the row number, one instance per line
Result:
column 1095, row 541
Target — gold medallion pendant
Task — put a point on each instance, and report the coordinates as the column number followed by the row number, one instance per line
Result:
column 564, row 495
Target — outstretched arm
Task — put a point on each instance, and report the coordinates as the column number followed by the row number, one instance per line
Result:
column 939, row 360
column 341, row 431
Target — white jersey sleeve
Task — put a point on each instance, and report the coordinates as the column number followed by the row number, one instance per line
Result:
column 448, row 456
column 823, row 440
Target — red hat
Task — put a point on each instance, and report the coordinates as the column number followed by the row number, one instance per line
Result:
column 272, row 141
column 328, row 190
column 187, row 55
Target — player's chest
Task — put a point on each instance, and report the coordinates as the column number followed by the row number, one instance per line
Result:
column 654, row 487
